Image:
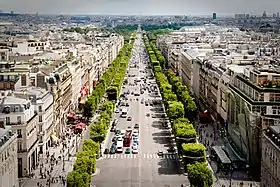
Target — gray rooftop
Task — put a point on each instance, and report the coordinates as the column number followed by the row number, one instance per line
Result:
column 5, row 131
column 276, row 129
column 11, row 100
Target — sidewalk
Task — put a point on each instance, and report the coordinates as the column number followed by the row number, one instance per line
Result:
column 206, row 136
column 45, row 164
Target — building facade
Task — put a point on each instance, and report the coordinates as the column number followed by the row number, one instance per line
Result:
column 270, row 164
column 8, row 157
column 21, row 115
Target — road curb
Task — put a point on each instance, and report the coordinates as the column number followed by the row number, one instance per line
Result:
column 97, row 172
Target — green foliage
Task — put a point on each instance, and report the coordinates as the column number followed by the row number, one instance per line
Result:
column 90, row 145
column 85, row 164
column 199, row 175
column 172, row 88
column 117, row 70
column 76, row 179
column 108, row 106
column 194, row 152
column 182, row 93
column 175, row 110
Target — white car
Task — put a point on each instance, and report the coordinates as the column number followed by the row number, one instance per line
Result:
column 135, row 133
column 135, row 150
column 129, row 129
column 119, row 139
column 135, row 146
column 135, row 138
column 122, row 133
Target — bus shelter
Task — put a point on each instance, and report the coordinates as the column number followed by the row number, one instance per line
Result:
column 223, row 160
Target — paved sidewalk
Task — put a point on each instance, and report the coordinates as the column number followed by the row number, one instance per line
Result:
column 206, row 136
column 45, row 164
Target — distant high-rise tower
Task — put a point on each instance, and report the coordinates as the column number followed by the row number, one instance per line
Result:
column 278, row 15
column 264, row 14
column 214, row 15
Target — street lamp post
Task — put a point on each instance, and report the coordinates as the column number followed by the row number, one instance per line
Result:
column 230, row 176
column 76, row 143
column 63, row 163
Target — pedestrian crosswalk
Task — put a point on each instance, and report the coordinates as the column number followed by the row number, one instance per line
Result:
column 144, row 156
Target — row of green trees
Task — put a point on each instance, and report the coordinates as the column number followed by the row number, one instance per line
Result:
column 106, row 80
column 180, row 107
column 85, row 165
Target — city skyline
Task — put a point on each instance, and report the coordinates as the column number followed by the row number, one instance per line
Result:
column 144, row 7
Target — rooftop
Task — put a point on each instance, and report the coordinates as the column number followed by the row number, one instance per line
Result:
column 6, row 134
column 273, row 133
column 11, row 100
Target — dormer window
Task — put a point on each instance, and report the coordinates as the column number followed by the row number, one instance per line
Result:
column 6, row 109
column 16, row 109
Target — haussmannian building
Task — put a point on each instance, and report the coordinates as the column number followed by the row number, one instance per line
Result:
column 270, row 163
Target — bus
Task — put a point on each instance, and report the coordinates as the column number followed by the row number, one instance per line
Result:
column 127, row 139
column 124, row 113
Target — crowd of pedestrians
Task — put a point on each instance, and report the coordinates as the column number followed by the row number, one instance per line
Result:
column 51, row 168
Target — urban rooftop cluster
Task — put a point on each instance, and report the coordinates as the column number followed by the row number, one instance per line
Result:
column 234, row 77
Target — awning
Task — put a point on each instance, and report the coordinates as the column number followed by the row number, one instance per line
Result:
column 54, row 138
column 72, row 115
column 80, row 125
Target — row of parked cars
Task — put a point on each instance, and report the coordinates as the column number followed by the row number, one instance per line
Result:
column 124, row 139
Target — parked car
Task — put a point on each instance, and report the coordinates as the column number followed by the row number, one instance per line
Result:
column 106, row 151
column 113, row 150
column 136, row 126
column 113, row 129
column 129, row 118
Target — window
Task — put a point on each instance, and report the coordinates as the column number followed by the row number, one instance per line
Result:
column 40, row 118
column 19, row 133
column 19, row 146
column 40, row 128
column 8, row 121
column 16, row 109
column 19, row 119
column 40, row 108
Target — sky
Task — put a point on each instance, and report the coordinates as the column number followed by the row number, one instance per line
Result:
column 141, row 7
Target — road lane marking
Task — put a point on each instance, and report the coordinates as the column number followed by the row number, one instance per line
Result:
column 144, row 155
column 155, row 156
column 115, row 156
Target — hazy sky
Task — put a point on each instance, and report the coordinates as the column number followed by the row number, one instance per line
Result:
column 142, row 7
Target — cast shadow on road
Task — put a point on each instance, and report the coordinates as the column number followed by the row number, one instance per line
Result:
column 162, row 139
column 168, row 167
column 158, row 126
column 157, row 110
column 165, row 133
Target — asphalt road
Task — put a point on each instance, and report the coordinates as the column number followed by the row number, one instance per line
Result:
column 146, row 168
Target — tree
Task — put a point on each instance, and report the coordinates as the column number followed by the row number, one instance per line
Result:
column 193, row 152
column 85, row 164
column 76, row 179
column 90, row 145
column 108, row 107
column 199, row 175
column 169, row 96
column 175, row 110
